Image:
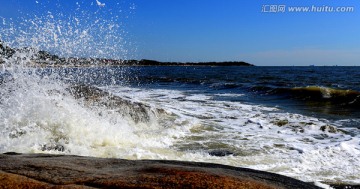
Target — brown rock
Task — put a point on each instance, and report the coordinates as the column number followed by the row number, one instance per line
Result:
column 60, row 171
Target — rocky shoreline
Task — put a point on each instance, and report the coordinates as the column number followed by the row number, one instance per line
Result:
column 66, row 171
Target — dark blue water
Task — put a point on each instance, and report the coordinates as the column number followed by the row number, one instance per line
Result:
column 325, row 92
column 328, row 92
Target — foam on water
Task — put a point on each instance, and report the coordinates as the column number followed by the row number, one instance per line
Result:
column 40, row 118
column 259, row 137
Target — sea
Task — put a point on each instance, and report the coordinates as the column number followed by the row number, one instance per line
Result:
column 302, row 122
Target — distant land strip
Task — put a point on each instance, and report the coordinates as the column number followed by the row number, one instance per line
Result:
column 145, row 62
column 46, row 59
column 78, row 62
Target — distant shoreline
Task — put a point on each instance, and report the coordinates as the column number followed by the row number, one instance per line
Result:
column 83, row 62
column 46, row 59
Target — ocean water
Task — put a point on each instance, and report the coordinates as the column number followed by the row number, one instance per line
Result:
column 303, row 122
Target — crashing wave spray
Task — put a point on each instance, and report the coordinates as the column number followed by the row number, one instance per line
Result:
column 39, row 112
column 82, row 31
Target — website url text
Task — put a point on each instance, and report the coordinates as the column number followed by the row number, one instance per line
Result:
column 313, row 8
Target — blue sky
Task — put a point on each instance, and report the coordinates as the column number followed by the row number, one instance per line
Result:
column 220, row 30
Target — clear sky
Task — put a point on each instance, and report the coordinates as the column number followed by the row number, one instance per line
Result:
column 222, row 30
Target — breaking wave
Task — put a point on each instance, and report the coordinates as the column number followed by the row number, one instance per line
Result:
column 318, row 95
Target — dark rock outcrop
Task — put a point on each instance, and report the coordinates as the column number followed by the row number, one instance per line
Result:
column 93, row 96
column 220, row 153
column 60, row 171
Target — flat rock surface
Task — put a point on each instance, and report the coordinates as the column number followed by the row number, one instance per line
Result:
column 64, row 171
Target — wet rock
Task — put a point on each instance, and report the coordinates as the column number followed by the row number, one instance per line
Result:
column 280, row 123
column 56, row 147
column 220, row 153
column 93, row 96
column 60, row 171
column 329, row 128
column 12, row 153
column 297, row 149
column 230, row 117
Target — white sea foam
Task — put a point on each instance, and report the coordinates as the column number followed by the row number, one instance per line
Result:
column 40, row 116
column 260, row 137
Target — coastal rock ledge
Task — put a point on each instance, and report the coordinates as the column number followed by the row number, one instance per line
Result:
column 65, row 171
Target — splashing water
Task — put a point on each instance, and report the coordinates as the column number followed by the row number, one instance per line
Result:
column 82, row 33
column 38, row 110
column 44, row 110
